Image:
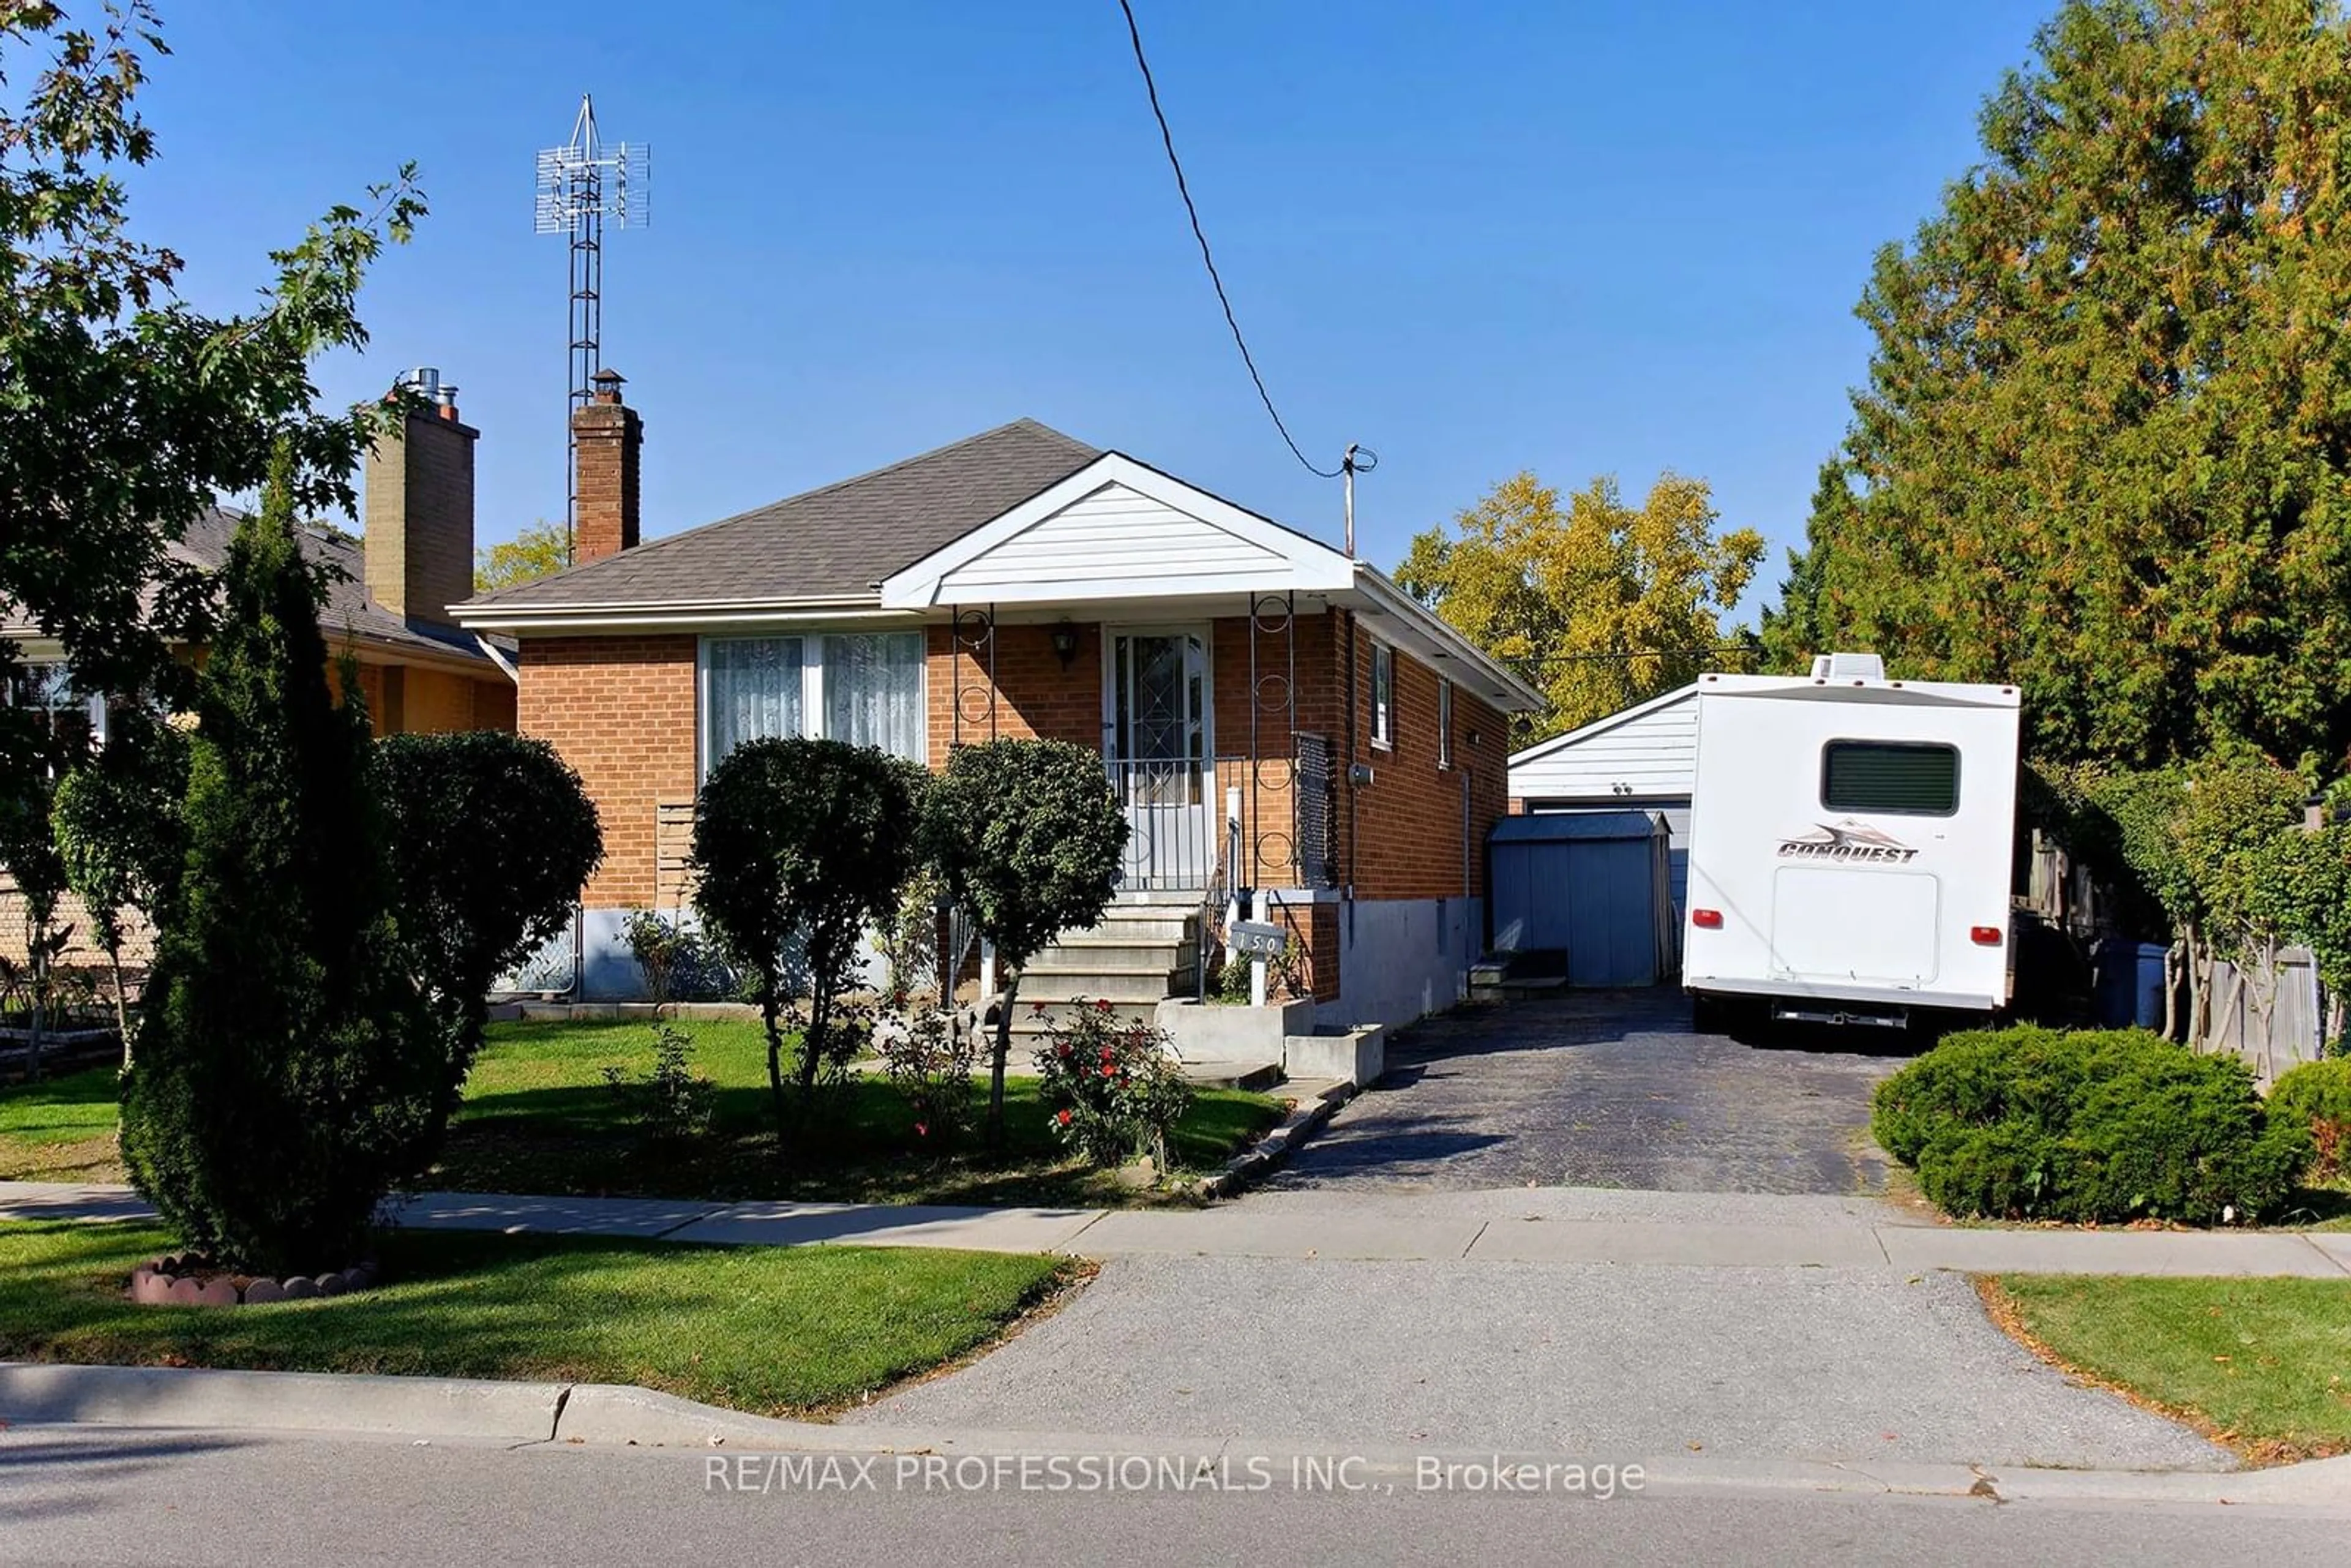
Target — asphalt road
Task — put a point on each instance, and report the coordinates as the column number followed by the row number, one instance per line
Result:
column 1863, row 1364
column 1608, row 1088
column 101, row 1495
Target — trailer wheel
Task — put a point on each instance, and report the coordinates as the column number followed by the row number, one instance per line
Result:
column 1708, row 1014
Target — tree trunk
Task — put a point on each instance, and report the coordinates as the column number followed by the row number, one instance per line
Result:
column 2197, row 1000
column 40, row 1007
column 998, row 1056
column 122, row 1002
column 2171, row 992
column 812, row 1042
column 775, row 1058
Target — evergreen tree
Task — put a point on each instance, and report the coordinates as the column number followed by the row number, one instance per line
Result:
column 2103, row 451
column 285, row 1071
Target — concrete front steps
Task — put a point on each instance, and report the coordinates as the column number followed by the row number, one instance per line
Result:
column 1137, row 956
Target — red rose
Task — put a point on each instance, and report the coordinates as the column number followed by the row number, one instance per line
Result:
column 1062, row 1117
column 1102, row 1006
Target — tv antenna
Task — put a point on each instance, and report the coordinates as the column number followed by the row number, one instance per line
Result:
column 580, row 185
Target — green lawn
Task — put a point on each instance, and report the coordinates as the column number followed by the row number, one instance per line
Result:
column 778, row 1331
column 537, row 1118
column 2262, row 1364
column 60, row 1130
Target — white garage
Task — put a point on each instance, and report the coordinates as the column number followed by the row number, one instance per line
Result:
column 1644, row 758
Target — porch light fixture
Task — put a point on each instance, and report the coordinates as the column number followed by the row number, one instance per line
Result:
column 1065, row 644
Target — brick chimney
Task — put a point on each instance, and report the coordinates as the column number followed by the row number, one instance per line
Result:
column 418, row 516
column 609, row 438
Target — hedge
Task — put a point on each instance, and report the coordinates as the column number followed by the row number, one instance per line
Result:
column 2089, row 1126
column 2317, row 1097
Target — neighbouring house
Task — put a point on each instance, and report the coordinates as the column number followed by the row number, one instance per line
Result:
column 1275, row 716
column 390, row 594
column 1642, row 760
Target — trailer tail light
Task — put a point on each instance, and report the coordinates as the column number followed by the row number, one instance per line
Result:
column 1706, row 919
column 1984, row 935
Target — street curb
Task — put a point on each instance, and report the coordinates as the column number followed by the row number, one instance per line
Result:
column 281, row 1401
column 1270, row 1153
column 619, row 1414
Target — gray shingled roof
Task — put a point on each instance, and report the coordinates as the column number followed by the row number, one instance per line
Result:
column 836, row 541
column 348, row 608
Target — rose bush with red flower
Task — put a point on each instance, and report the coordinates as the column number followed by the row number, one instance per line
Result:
column 1114, row 1088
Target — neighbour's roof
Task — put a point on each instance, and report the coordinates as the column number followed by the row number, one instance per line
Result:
column 1556, row 827
column 834, row 542
column 348, row 609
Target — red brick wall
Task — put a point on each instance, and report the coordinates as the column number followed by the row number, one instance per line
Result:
column 620, row 710
column 1406, row 833
column 1037, row 699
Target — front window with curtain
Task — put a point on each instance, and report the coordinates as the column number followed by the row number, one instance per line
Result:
column 863, row 688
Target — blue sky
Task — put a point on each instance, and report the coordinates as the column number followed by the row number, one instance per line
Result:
column 1476, row 236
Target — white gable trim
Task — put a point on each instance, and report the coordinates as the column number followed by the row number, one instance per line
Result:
column 1603, row 726
column 1118, row 529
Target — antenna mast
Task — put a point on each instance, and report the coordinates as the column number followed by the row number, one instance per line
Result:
column 580, row 185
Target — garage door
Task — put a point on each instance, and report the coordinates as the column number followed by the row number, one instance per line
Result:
column 1590, row 885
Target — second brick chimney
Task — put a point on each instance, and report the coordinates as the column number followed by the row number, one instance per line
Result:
column 609, row 438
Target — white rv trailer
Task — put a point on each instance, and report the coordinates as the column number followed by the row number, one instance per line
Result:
column 1851, row 840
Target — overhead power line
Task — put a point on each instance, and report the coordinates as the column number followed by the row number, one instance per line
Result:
column 1167, row 138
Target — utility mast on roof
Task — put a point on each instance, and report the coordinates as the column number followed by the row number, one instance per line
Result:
column 580, row 185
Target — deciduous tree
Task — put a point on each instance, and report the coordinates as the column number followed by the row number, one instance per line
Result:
column 1598, row 604
column 124, row 410
column 539, row 551
column 1028, row 836
column 800, row 848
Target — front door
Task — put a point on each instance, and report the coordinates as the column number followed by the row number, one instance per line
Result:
column 1160, row 752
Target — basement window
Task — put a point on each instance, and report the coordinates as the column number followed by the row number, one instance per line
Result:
column 1383, row 695
column 863, row 688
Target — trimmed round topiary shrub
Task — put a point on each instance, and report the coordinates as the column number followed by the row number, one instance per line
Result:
column 2316, row 1096
column 2092, row 1127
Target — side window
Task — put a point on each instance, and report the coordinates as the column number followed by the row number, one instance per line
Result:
column 1911, row 778
column 1383, row 695
column 1445, row 723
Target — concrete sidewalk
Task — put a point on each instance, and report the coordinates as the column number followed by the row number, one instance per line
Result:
column 1540, row 1226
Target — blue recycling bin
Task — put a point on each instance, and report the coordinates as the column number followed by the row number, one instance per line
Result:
column 2130, row 984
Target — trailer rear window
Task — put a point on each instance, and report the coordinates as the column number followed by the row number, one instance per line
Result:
column 1890, row 776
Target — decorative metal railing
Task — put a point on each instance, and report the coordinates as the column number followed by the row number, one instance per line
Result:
column 1174, row 825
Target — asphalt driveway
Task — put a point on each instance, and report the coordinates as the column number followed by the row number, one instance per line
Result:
column 1608, row 1088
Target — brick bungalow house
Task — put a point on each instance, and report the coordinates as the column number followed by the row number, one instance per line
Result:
column 1275, row 714
column 388, row 608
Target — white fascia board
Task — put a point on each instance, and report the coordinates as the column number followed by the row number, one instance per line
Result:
column 1470, row 665
column 1603, row 726
column 1312, row 567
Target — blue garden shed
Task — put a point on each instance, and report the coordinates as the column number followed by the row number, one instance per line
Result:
column 1594, row 885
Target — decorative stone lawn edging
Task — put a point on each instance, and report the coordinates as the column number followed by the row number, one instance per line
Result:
column 188, row 1281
